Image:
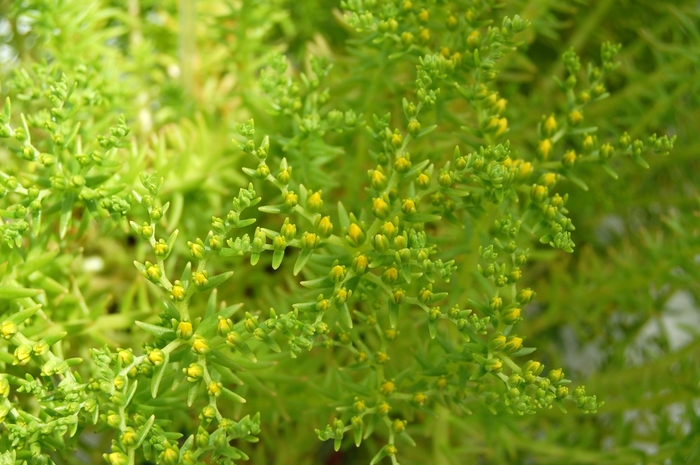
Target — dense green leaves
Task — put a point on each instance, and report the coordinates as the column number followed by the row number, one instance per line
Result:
column 360, row 260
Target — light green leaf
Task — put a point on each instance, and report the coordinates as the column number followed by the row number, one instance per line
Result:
column 157, row 331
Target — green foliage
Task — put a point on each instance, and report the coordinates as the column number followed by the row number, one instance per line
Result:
column 413, row 190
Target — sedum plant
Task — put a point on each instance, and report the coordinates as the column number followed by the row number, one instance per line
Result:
column 231, row 229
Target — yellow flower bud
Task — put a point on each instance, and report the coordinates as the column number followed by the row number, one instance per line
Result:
column 550, row 126
column 562, row 391
column 314, row 202
column 214, row 388
column 606, row 151
column 341, row 295
column 337, row 273
column 279, row 242
column 356, row 235
column 569, row 159
column 543, row 149
column 575, row 117
column 445, row 178
column 360, row 264
column 178, row 292
column 381, row 243
column 288, row 230
column 128, row 437
column 200, row 278
column 402, row 164
column 208, row 412
column 381, row 357
column 324, row 228
column 423, row 181
column 145, row 231
column 497, row 343
column 501, row 127
column 511, row 316
column 583, row 97
column 170, row 456
column 263, row 170
column 194, row 372
column 425, row 295
column 309, row 240
column 160, row 248
column 549, row 179
column 408, row 207
column 493, row 365
column 387, row 388
column 8, row 329
column 491, row 125
column 420, row 398
column 154, row 273
column 539, row 193
column 23, row 353
column 389, row 230
column 500, row 105
column 525, row 296
column 200, row 346
column 525, row 169
column 513, row 344
column 396, row 140
column 113, row 419
column 414, row 127
column 399, row 296
column 196, row 250
column 556, row 375
column 390, row 275
column 224, row 326
column 4, row 387
column 474, row 39
column 424, row 36
column 156, row 357
column 285, row 175
column 380, row 208
column 184, row 330
column 377, row 178
column 116, row 458
column 119, row 382
column 398, row 425
column 291, row 199
column 533, row 367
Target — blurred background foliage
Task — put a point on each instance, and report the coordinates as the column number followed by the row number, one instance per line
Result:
column 621, row 314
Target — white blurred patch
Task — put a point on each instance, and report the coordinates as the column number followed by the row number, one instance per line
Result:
column 93, row 264
column 24, row 24
column 146, row 119
column 7, row 54
column 681, row 320
column 610, row 228
column 173, row 71
column 154, row 18
column 5, row 28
